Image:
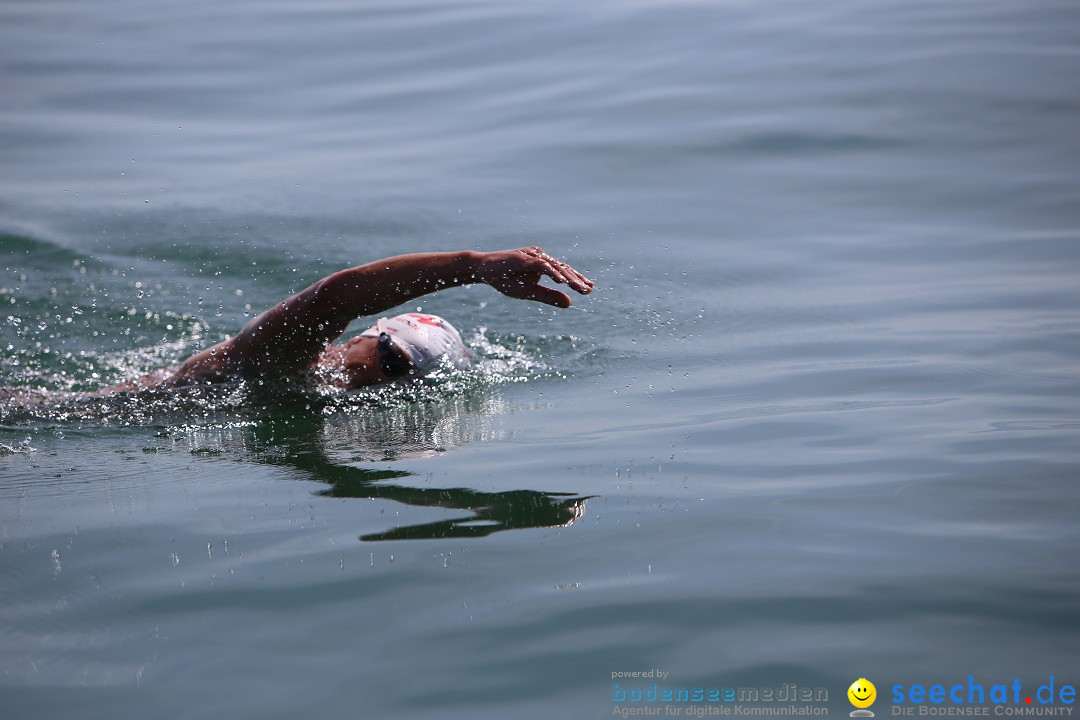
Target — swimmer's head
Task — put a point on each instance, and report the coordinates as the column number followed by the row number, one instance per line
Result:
column 417, row 343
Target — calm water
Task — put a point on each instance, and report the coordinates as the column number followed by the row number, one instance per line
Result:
column 819, row 421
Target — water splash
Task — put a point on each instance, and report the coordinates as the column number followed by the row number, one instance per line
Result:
column 62, row 395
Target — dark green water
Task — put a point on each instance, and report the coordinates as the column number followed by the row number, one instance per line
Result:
column 818, row 422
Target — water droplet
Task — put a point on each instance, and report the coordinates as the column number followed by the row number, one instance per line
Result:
column 59, row 434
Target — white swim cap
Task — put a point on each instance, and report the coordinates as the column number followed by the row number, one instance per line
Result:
column 424, row 339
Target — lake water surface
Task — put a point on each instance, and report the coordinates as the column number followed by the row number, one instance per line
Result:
column 819, row 421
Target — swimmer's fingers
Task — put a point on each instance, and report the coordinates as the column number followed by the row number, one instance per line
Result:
column 557, row 270
column 584, row 285
column 544, row 264
column 573, row 278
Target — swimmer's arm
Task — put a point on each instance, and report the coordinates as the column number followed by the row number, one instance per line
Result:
column 291, row 335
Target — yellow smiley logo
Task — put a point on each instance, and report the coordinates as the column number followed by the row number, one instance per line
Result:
column 862, row 693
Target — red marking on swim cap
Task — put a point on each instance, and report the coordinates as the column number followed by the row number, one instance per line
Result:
column 427, row 319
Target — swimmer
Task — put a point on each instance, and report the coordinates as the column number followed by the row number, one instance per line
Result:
column 296, row 337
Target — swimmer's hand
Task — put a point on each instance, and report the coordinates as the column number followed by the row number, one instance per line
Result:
column 517, row 274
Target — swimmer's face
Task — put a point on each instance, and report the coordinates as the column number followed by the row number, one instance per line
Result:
column 393, row 361
column 862, row 693
column 375, row 361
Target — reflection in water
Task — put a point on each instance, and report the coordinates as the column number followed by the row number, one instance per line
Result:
column 328, row 448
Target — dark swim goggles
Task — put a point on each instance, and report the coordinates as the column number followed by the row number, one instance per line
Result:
column 393, row 361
